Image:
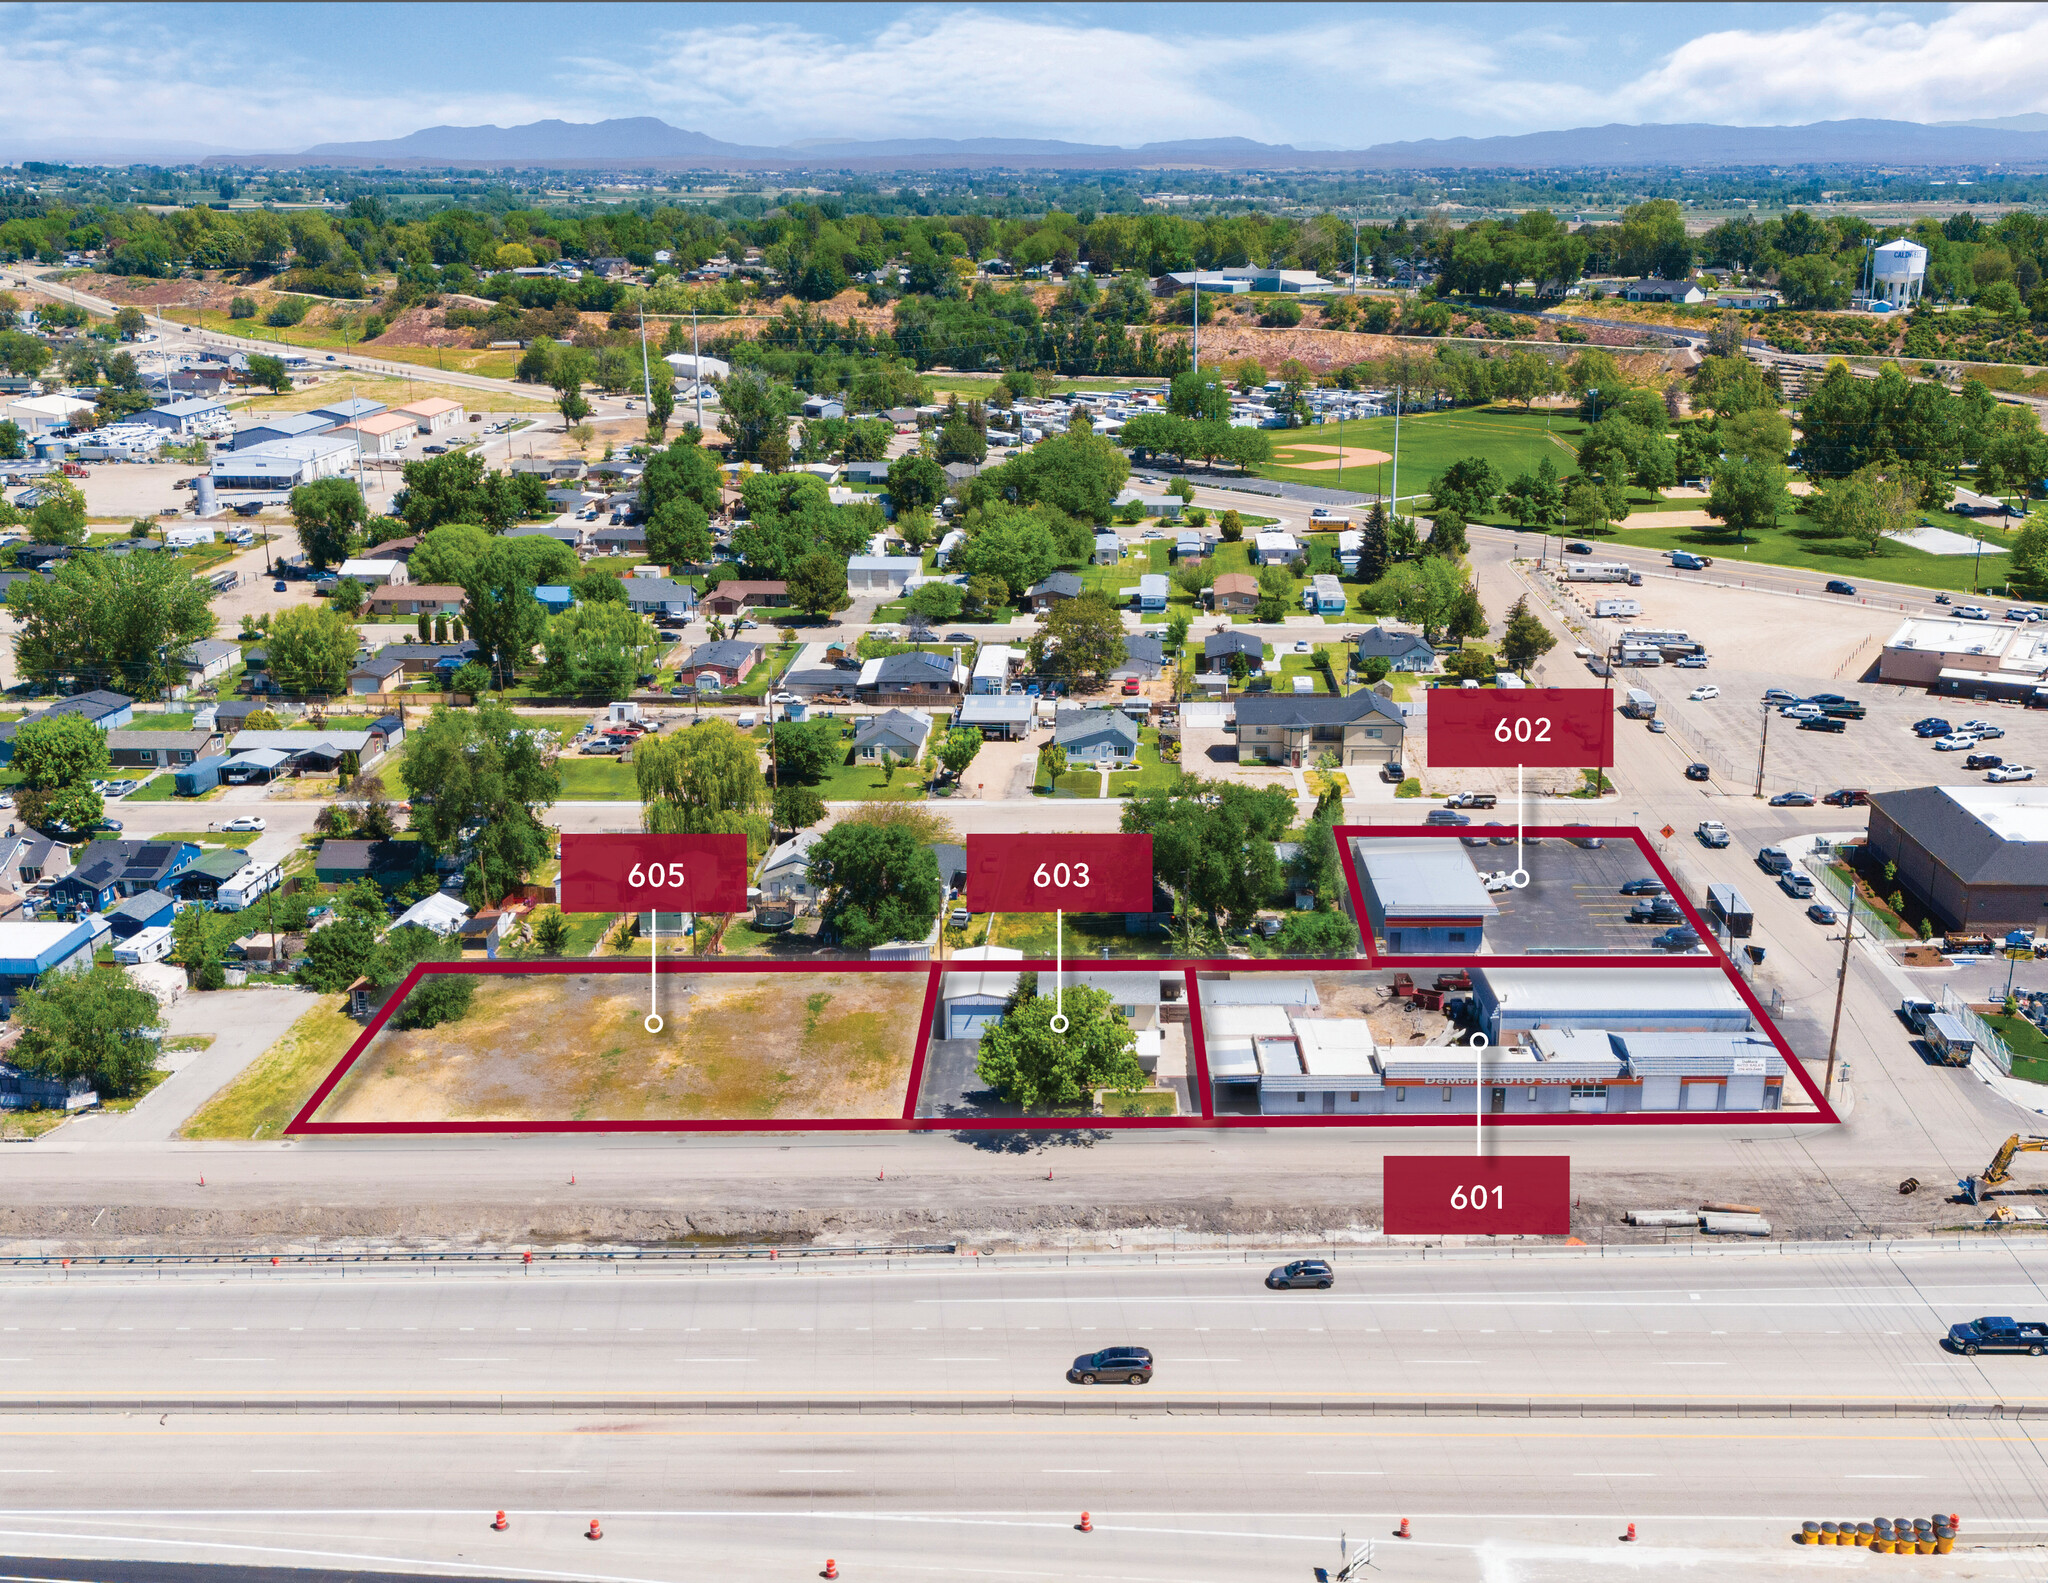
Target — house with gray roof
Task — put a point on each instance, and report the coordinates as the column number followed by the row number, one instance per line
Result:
column 1298, row 729
column 1060, row 585
column 660, row 597
column 1404, row 651
column 914, row 672
column 722, row 664
column 1217, row 648
column 1105, row 738
column 898, row 731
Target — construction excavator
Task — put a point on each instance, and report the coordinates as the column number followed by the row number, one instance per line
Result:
column 1975, row 1188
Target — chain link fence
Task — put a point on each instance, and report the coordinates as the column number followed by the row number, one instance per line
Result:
column 1987, row 1037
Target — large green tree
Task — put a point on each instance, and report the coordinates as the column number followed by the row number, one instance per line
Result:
column 329, row 514
column 311, row 649
column 685, row 471
column 1042, row 1070
column 597, row 649
column 109, row 621
column 817, row 584
column 880, row 884
column 58, row 757
column 1213, row 846
column 751, row 406
column 703, row 781
column 479, row 783
column 1081, row 639
column 505, row 620
column 448, row 555
column 1747, row 495
column 98, row 1024
column 678, row 533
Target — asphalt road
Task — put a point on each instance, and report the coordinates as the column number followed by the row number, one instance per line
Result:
column 912, row 1494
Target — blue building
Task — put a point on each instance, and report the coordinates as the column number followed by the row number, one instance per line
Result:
column 554, row 597
column 200, row 776
column 108, row 871
column 149, row 909
column 29, row 950
column 108, row 711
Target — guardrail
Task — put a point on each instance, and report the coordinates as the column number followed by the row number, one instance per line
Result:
column 471, row 1259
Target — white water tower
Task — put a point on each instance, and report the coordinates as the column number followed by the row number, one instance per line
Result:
column 1898, row 273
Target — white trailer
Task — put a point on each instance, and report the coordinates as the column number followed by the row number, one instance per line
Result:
column 1617, row 607
column 257, row 880
column 1596, row 572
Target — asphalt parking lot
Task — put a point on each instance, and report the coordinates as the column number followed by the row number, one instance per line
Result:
column 1573, row 903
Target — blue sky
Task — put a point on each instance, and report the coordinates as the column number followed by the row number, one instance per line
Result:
column 280, row 77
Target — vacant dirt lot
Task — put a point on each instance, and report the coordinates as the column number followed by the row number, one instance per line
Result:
column 748, row 1047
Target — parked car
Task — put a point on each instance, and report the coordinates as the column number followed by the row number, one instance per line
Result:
column 1655, row 909
column 1112, row 1366
column 1712, row 832
column 959, row 637
column 1643, row 887
column 1820, row 912
column 1983, row 728
column 1847, row 797
column 1683, row 939
column 247, row 821
column 1837, row 586
column 1982, row 761
column 1697, row 772
column 2011, row 772
column 1824, row 699
column 1778, row 695
column 1793, row 799
column 1801, row 711
column 1702, row 694
column 1957, row 742
column 1823, row 723
column 1691, row 662
column 1932, row 726
column 1972, row 613
column 1302, row 1272
column 1131, row 686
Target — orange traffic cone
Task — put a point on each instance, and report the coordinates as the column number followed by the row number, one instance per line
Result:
column 1402, row 1532
column 1630, row 1535
column 499, row 1522
column 831, row 1568
column 1085, row 1525
column 595, row 1531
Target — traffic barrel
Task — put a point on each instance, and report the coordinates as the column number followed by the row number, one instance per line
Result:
column 831, row 1568
column 595, row 1531
column 1629, row 1537
column 1085, row 1525
column 499, row 1522
column 1402, row 1532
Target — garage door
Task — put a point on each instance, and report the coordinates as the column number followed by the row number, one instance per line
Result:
column 967, row 1022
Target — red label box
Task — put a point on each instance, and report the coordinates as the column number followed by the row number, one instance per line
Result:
column 1500, row 727
column 1431, row 1195
column 1056, row 872
column 654, row 873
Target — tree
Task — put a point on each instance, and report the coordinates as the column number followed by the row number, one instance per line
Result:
column 1318, row 935
column 937, row 601
column 1200, row 394
column 1429, row 593
column 58, row 757
column 751, row 407
column 329, row 514
column 685, row 471
column 1747, row 495
column 270, row 373
column 1592, row 504
column 961, row 441
column 97, row 1024
column 661, row 400
column 1467, row 486
column 1276, row 593
column 470, row 680
column 437, row 997
column 505, row 620
column 1866, row 508
column 1080, row 639
column 703, row 781
column 1730, row 384
column 478, row 783
column 567, row 371
column 312, row 649
column 347, row 597
column 598, row 585
column 1076, row 472
column 199, row 937
column 916, row 483
column 817, row 584
column 448, row 555
column 550, row 932
column 958, row 750
column 60, row 517
column 1230, row 527
column 806, row 751
column 1212, row 845
column 679, row 533
column 879, row 883
column 1472, row 665
column 2028, row 562
column 1032, row 1066
column 1526, row 639
column 336, row 955
column 598, row 649
column 1447, row 536
column 112, row 621
column 797, row 807
column 13, row 443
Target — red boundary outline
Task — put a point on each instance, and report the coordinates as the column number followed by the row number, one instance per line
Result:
column 303, row 1125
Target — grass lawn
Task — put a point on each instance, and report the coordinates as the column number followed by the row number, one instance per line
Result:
column 864, row 783
column 213, row 837
column 773, row 663
column 597, row 779
column 1512, row 440
column 1799, row 543
column 1146, row 1102
column 1151, row 775
column 2028, row 1044
column 1086, row 934
column 270, row 1090
column 585, row 930
column 163, row 787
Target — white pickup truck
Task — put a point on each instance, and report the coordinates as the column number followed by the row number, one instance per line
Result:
column 1712, row 833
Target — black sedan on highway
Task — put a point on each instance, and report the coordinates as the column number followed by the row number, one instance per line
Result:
column 1112, row 1366
column 1302, row 1272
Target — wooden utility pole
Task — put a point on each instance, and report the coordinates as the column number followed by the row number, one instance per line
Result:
column 1827, row 1085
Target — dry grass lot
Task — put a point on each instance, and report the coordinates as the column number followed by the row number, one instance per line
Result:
column 742, row 1047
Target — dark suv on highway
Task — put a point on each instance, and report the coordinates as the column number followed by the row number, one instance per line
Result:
column 1302, row 1272
column 1112, row 1366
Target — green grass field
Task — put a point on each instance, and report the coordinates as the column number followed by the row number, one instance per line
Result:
column 2028, row 1045
column 597, row 779
column 1797, row 542
column 1512, row 440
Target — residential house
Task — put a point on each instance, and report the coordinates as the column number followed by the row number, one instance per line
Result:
column 554, row 598
column 1297, row 729
column 1008, row 717
column 628, row 540
column 1060, row 585
column 1105, row 738
column 1151, row 592
column 109, row 711
column 428, row 659
column 1274, row 547
column 416, row 599
column 389, row 863
column 898, row 731
column 107, row 871
column 1218, row 647
column 1404, row 651
column 159, row 749
column 1234, row 593
column 913, row 674
column 994, row 665
column 373, row 574
column 570, row 534
column 378, row 674
column 1324, row 595
column 867, row 472
column 785, row 872
column 824, row 407
column 729, row 599
column 398, row 549
column 209, row 659
column 720, row 665
column 1144, row 657
column 1652, row 290
column 882, row 574
column 1189, row 547
column 201, row 882
column 1166, row 506
column 661, row 597
column 1109, row 549
column 486, row 930
column 315, row 751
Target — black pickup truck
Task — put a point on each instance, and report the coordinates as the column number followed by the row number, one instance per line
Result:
column 1998, row 1334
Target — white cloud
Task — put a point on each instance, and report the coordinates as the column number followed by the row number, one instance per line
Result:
column 1965, row 63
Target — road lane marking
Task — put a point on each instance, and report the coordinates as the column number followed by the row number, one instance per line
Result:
column 814, row 1470
column 476, row 1360
column 1884, row 1475
column 234, row 1360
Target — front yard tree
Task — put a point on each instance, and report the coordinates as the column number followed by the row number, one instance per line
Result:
column 703, row 781
column 685, row 471
column 312, row 649
column 109, row 621
column 806, row 751
column 880, row 884
column 797, row 807
column 1030, row 1065
column 596, row 649
column 1527, row 639
column 817, row 584
column 58, row 757
column 679, row 533
column 337, row 955
column 1078, row 638
column 330, row 515
column 505, row 620
column 1276, row 593
column 96, row 1024
column 478, row 782
column 916, row 483
column 1212, row 844
column 959, row 749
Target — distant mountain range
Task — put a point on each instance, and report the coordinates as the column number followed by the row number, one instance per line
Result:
column 647, row 142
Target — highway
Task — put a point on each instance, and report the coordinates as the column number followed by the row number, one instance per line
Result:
column 1700, row 1397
